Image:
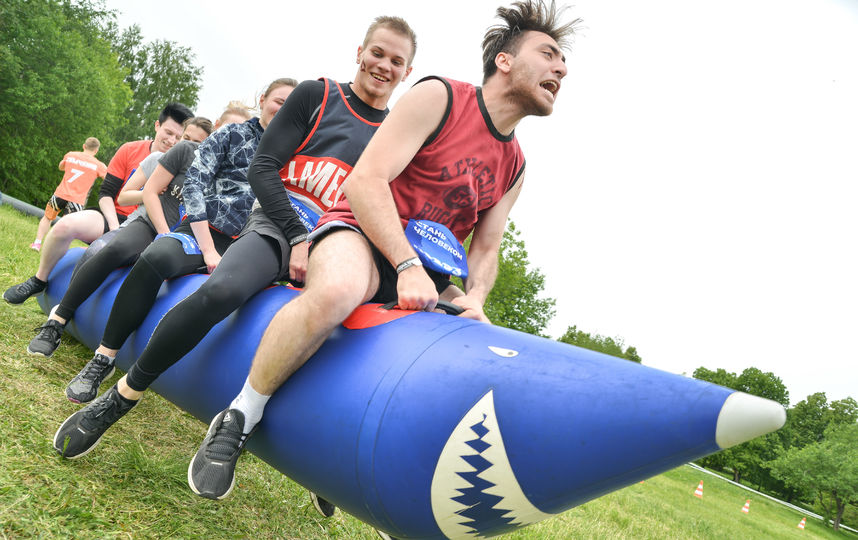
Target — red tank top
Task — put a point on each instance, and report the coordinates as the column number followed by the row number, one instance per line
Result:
column 465, row 168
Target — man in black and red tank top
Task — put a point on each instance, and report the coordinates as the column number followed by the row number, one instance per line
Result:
column 446, row 153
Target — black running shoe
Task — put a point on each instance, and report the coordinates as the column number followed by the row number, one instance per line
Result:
column 81, row 431
column 16, row 294
column 47, row 340
column 84, row 387
column 323, row 506
column 211, row 473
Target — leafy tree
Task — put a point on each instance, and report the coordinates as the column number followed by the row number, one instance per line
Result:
column 843, row 411
column 827, row 468
column 59, row 84
column 719, row 376
column 751, row 381
column 810, row 417
column 515, row 300
column 158, row 72
column 766, row 385
column 596, row 342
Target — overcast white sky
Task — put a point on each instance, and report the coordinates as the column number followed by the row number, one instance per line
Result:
column 693, row 193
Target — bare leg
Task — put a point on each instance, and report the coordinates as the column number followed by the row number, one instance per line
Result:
column 106, row 351
column 44, row 226
column 126, row 391
column 340, row 277
column 86, row 226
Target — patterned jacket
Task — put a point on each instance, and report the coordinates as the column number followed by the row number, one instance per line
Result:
column 216, row 187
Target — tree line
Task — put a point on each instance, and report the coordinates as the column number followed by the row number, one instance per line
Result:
column 68, row 72
column 812, row 460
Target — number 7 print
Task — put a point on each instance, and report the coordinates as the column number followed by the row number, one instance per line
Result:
column 77, row 173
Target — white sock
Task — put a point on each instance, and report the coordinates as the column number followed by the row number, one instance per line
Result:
column 251, row 403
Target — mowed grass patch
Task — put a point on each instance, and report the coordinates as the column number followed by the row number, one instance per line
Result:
column 134, row 484
column 664, row 507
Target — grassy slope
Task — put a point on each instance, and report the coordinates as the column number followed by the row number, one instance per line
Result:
column 134, row 484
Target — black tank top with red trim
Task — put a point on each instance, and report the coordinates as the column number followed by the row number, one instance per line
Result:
column 315, row 174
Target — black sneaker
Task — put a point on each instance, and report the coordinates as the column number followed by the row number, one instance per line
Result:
column 16, row 294
column 211, row 473
column 81, row 431
column 47, row 340
column 84, row 387
column 323, row 506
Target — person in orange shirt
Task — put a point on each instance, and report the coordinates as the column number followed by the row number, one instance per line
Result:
column 81, row 170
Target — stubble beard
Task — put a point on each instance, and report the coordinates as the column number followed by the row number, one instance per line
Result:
column 522, row 93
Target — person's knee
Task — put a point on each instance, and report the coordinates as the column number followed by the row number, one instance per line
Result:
column 219, row 295
column 64, row 229
column 159, row 258
column 85, row 226
column 112, row 254
column 334, row 300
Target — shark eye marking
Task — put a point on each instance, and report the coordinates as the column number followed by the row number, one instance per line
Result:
column 500, row 351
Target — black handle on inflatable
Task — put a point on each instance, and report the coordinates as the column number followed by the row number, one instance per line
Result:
column 447, row 307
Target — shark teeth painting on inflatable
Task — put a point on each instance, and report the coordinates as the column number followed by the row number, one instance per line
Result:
column 428, row 426
column 473, row 482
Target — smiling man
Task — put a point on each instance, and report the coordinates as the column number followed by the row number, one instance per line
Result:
column 446, row 152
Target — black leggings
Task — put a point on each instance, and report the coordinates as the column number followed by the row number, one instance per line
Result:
column 124, row 248
column 162, row 260
column 249, row 265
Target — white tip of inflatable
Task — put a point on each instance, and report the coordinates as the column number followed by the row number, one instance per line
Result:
column 744, row 417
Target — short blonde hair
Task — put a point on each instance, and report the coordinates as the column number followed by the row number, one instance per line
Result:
column 236, row 108
column 91, row 144
column 396, row 24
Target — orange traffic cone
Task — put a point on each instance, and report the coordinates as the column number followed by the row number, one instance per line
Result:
column 801, row 525
column 699, row 491
column 747, row 507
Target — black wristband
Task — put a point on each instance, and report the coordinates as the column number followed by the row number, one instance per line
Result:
column 408, row 263
column 298, row 239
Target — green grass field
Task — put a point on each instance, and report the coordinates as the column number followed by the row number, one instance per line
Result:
column 134, row 484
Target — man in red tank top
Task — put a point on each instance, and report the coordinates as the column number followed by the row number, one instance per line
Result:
column 446, row 153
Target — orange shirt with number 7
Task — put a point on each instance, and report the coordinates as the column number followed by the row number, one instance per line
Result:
column 81, row 171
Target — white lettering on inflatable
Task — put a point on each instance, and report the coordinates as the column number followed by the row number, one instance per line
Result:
column 429, row 234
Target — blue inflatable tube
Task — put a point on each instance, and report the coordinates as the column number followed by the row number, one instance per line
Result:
column 427, row 425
